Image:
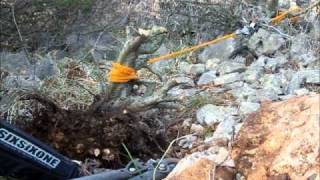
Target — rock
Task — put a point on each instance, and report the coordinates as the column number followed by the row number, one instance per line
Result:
column 177, row 91
column 301, row 92
column 184, row 80
column 213, row 64
column 193, row 69
column 210, row 114
column 183, row 67
column 199, row 165
column 282, row 138
column 244, row 92
column 197, row 69
column 15, row 63
column 228, row 78
column 231, row 67
column 197, row 128
column 273, row 63
column 252, row 75
column 187, row 142
column 248, row 107
column 47, row 68
column 309, row 76
column 220, row 50
column 207, row 77
column 273, row 82
column 264, row 95
column 224, row 131
column 234, row 85
column 21, row 82
column 259, row 63
column 265, row 42
column 162, row 67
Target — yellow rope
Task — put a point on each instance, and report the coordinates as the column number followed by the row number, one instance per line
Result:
column 121, row 74
column 190, row 49
column 283, row 15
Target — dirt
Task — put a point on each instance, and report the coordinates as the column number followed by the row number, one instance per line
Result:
column 100, row 135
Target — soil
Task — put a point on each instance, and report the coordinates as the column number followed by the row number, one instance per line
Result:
column 85, row 134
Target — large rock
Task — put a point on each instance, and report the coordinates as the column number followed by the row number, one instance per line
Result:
column 248, row 107
column 273, row 82
column 220, row 50
column 193, row 69
column 46, row 68
column 15, row 63
column 280, row 140
column 213, row 64
column 210, row 114
column 228, row 78
column 231, row 67
column 309, row 76
column 207, row 77
column 265, row 42
column 162, row 66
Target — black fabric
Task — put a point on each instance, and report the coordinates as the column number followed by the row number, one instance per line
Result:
column 17, row 163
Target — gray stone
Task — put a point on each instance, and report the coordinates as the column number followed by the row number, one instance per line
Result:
column 187, row 142
column 207, row 77
column 274, row 82
column 244, row 92
column 234, row 85
column 197, row 69
column 253, row 74
column 183, row 67
column 309, row 76
column 224, row 130
column 231, row 67
column 299, row 44
column 47, row 68
column 301, row 92
column 260, row 62
column 193, row 69
column 213, row 64
column 228, row 78
column 177, row 91
column 15, row 63
column 22, row 82
column 248, row 107
column 210, row 114
column 184, row 80
column 164, row 66
column 273, row 63
column 264, row 95
column 266, row 42
column 220, row 50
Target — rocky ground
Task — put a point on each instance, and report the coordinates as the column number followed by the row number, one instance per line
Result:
column 250, row 104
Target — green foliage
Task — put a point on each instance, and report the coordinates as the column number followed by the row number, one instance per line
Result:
column 197, row 101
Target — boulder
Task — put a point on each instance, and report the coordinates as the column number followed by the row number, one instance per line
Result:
column 228, row 78
column 280, row 140
column 207, row 77
column 231, row 67
column 220, row 50
column 210, row 114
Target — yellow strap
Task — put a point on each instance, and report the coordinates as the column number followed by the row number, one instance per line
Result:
column 121, row 74
column 193, row 48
